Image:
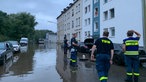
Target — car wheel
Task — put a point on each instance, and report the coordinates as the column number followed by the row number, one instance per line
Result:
column 118, row 60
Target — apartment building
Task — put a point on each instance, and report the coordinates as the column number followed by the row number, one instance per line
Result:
column 119, row 16
column 87, row 19
column 69, row 21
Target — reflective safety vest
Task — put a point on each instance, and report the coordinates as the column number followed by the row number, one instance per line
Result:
column 131, row 47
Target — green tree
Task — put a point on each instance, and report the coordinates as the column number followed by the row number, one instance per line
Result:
column 41, row 34
column 15, row 26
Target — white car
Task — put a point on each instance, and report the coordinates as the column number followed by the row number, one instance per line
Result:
column 23, row 41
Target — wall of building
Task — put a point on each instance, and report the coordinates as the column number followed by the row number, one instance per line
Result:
column 128, row 15
column 87, row 19
column 51, row 38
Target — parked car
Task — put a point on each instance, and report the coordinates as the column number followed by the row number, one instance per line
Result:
column 82, row 48
column 85, row 46
column 23, row 41
column 6, row 51
column 15, row 45
column 119, row 55
column 41, row 41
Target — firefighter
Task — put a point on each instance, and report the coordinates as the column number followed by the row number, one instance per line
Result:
column 130, row 48
column 65, row 45
column 104, row 56
column 74, row 46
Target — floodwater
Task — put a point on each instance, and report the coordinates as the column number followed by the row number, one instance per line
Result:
column 47, row 63
column 35, row 63
column 86, row 70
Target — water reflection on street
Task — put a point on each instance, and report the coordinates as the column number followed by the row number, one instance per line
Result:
column 34, row 63
column 39, row 63
column 86, row 70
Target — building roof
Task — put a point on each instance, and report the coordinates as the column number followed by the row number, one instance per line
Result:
column 67, row 8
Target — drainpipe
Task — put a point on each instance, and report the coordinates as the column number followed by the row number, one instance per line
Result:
column 144, row 22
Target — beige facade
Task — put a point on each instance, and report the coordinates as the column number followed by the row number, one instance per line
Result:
column 70, row 21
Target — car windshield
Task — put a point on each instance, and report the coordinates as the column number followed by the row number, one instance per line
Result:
column 14, row 42
column 2, row 46
column 23, row 39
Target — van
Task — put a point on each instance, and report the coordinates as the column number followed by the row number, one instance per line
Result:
column 23, row 41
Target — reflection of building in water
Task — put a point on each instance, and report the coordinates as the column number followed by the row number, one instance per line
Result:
column 51, row 37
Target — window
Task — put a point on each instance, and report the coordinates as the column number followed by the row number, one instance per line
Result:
column 105, row 29
column 79, row 21
column 89, row 7
column 85, row 10
column 96, row 12
column 112, row 31
column 76, row 22
column 96, row 26
column 79, row 35
column 79, row 8
column 105, row 15
column 88, row 21
column 72, row 12
column 105, row 1
column 76, row 9
column 68, row 26
column 112, row 13
column 85, row 22
column 88, row 33
column 72, row 24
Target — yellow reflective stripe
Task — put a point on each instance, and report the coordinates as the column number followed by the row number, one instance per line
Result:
column 129, row 74
column 131, row 43
column 136, row 74
column 73, row 60
column 103, row 78
column 131, row 53
column 106, row 41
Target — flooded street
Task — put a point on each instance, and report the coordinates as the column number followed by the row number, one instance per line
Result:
column 86, row 70
column 47, row 63
column 35, row 63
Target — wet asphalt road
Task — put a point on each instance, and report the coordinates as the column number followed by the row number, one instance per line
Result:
column 86, row 70
column 47, row 63
column 36, row 63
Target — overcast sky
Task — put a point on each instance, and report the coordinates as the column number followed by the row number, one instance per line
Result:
column 43, row 10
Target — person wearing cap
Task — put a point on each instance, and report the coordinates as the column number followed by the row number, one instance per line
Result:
column 74, row 46
column 104, row 56
column 130, row 48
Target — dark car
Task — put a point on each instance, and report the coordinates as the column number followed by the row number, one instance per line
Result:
column 6, row 51
column 84, row 47
column 16, row 46
column 119, row 55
